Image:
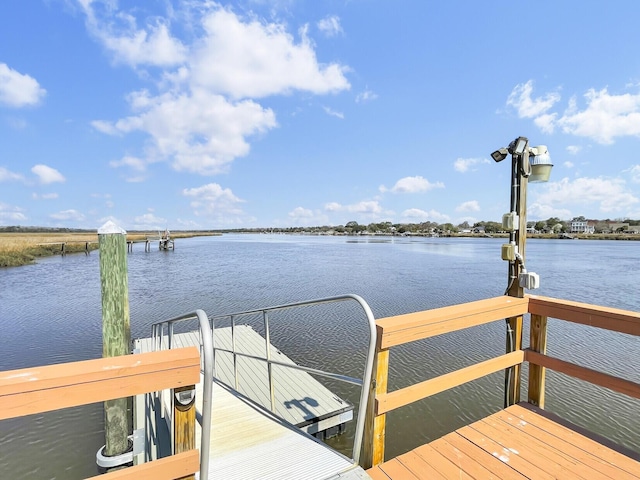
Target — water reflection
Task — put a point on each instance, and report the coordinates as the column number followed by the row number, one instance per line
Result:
column 51, row 313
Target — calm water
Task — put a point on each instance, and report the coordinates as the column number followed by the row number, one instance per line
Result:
column 50, row 313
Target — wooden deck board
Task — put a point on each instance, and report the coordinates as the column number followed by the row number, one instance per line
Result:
column 516, row 443
column 597, row 456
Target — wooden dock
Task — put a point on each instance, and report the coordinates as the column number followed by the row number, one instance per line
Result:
column 300, row 399
column 520, row 442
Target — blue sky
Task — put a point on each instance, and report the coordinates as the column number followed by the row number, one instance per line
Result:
column 198, row 114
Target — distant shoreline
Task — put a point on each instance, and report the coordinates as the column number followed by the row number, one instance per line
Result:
column 23, row 247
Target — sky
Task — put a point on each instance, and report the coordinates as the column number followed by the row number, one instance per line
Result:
column 198, row 114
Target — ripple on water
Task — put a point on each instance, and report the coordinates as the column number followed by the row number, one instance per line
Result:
column 51, row 313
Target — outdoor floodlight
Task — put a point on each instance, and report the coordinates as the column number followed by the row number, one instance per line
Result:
column 500, row 155
column 518, row 146
column 529, row 164
column 540, row 164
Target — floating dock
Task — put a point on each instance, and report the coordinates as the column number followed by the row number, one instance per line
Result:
column 247, row 439
column 300, row 399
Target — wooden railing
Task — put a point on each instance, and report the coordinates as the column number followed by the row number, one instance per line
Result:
column 42, row 389
column 398, row 330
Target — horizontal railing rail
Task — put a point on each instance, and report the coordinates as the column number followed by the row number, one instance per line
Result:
column 607, row 318
column 402, row 329
column 611, row 382
column 42, row 389
column 410, row 327
column 404, row 396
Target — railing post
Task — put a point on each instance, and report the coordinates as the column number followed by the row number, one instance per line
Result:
column 184, row 420
column 116, row 333
column 374, row 434
column 538, row 343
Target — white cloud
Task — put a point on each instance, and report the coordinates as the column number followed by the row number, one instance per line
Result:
column 128, row 161
column 568, row 164
column 17, row 89
column 201, row 132
column 366, row 96
column 197, row 120
column 330, row 26
column 609, row 194
column 45, row 196
column 10, row 213
column 538, row 211
column 463, row 165
column 305, row 216
column 527, row 107
column 118, row 32
column 333, row 113
column 105, row 127
column 574, row 149
column 47, row 174
column 366, row 207
column 415, row 184
column 605, row 117
column 253, row 59
column 149, row 221
column 9, row 176
column 418, row 215
column 470, row 206
column 68, row 215
column 300, row 212
column 635, row 173
column 213, row 201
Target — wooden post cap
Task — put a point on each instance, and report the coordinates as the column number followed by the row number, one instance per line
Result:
column 111, row 228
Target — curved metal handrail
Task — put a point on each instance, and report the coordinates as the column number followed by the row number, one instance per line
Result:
column 366, row 380
column 206, row 354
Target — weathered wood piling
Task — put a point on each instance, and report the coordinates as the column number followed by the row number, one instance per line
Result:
column 116, row 334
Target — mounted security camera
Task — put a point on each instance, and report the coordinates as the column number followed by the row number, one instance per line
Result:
column 500, row 155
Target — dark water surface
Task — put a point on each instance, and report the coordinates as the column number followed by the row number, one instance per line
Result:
column 51, row 313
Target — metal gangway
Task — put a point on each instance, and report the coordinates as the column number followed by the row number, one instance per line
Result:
column 164, row 336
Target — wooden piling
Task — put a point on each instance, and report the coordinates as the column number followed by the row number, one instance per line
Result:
column 116, row 334
column 184, row 418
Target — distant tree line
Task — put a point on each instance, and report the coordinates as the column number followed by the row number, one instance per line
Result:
column 551, row 225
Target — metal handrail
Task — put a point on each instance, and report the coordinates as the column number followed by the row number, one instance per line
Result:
column 206, row 354
column 365, row 382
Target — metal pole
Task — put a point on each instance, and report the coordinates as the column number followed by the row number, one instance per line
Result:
column 116, row 334
column 519, row 236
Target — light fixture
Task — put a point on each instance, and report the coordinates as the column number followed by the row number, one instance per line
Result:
column 540, row 164
column 529, row 164
column 517, row 147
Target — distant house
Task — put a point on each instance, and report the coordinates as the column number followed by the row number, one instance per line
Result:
column 479, row 229
column 634, row 229
column 583, row 226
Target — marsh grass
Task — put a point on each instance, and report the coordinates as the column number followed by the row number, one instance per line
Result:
column 23, row 248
